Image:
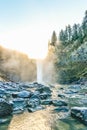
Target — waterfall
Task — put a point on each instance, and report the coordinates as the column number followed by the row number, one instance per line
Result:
column 39, row 71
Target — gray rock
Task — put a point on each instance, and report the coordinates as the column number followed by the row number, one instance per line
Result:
column 61, row 109
column 2, row 91
column 59, row 103
column 35, row 109
column 22, row 94
column 5, row 109
column 43, row 89
column 47, row 102
column 19, row 104
column 80, row 113
column 18, row 110
column 70, row 91
column 5, row 120
column 61, row 95
column 33, row 102
column 75, row 87
column 45, row 95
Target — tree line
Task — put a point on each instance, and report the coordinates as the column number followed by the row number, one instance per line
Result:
column 76, row 32
column 63, row 45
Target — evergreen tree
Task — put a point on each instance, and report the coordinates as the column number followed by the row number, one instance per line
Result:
column 67, row 63
column 75, row 32
column 53, row 39
column 62, row 37
column 69, row 33
column 66, row 34
column 84, row 25
column 80, row 34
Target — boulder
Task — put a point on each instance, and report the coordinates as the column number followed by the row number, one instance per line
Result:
column 59, row 103
column 5, row 109
column 5, row 120
column 33, row 102
column 61, row 109
column 47, row 102
column 24, row 94
column 43, row 89
column 35, row 109
column 61, row 95
column 21, row 94
column 80, row 113
column 19, row 104
column 45, row 95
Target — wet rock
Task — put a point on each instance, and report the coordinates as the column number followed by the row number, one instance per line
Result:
column 5, row 109
column 14, row 94
column 70, row 91
column 84, row 101
column 61, row 95
column 33, row 102
column 17, row 110
column 61, row 88
column 43, row 89
column 59, row 103
column 2, row 100
column 2, row 91
column 47, row 102
column 61, row 109
column 5, row 120
column 80, row 113
column 76, row 87
column 35, row 98
column 45, row 95
column 24, row 94
column 10, row 89
column 25, row 85
column 36, row 85
column 35, row 109
column 19, row 104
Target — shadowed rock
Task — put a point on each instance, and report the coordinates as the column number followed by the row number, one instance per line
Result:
column 5, row 109
column 59, row 103
column 80, row 113
column 61, row 109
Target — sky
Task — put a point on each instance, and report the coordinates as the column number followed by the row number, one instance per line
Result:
column 27, row 25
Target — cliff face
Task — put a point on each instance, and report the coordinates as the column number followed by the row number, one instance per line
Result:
column 16, row 66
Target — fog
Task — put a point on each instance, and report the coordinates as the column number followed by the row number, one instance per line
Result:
column 16, row 66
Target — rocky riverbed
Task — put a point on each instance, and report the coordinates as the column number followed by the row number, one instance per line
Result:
column 44, row 107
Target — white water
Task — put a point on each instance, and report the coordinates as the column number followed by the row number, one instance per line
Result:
column 39, row 71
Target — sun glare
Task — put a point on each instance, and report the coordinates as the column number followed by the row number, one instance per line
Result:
column 29, row 41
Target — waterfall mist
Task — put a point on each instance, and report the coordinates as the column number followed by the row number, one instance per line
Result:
column 39, row 64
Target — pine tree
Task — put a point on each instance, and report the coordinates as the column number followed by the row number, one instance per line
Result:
column 75, row 32
column 84, row 24
column 80, row 34
column 69, row 33
column 66, row 34
column 53, row 39
column 62, row 37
